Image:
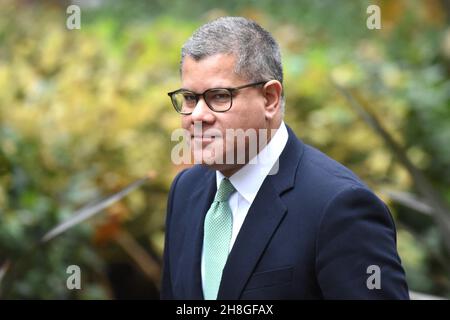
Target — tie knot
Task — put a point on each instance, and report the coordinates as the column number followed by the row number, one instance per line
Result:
column 225, row 190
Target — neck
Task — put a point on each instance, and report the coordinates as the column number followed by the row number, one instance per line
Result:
column 228, row 171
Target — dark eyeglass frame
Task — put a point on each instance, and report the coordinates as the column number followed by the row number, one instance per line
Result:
column 198, row 95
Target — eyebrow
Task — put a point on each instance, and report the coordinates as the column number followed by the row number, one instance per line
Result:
column 218, row 87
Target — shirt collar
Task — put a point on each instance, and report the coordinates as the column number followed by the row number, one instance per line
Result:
column 249, row 178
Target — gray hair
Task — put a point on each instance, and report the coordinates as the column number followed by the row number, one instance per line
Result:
column 258, row 56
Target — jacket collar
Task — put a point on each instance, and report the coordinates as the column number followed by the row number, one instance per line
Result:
column 265, row 214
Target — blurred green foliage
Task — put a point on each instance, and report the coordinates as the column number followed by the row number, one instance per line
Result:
column 84, row 112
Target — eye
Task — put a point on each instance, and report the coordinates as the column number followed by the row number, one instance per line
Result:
column 189, row 97
column 219, row 96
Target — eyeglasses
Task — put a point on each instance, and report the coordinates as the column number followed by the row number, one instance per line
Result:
column 217, row 99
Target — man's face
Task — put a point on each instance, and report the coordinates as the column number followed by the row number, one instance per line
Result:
column 247, row 111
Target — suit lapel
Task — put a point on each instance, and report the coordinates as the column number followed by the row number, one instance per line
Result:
column 262, row 219
column 199, row 203
column 264, row 216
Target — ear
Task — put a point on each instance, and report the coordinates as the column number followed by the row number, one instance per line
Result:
column 272, row 92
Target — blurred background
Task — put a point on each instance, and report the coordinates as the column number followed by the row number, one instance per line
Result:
column 84, row 113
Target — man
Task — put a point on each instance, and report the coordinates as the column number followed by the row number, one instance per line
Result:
column 294, row 224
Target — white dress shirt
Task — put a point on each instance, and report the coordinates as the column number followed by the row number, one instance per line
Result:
column 248, row 180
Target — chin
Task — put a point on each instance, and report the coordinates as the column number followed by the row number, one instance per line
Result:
column 211, row 160
column 208, row 153
column 226, row 169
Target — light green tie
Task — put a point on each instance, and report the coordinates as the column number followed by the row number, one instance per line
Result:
column 216, row 242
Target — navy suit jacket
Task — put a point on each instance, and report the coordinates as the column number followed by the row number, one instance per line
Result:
column 312, row 232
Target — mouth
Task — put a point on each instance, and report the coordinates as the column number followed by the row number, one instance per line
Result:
column 203, row 138
column 202, row 141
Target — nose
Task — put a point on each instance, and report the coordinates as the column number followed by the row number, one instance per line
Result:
column 202, row 112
